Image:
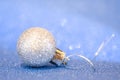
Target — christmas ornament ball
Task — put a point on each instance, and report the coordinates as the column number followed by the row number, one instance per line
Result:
column 36, row 47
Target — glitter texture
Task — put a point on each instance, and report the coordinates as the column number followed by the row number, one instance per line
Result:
column 36, row 47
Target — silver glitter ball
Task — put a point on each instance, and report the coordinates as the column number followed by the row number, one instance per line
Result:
column 36, row 47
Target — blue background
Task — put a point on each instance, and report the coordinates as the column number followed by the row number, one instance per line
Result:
column 78, row 26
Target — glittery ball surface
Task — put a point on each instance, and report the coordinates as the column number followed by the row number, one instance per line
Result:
column 36, row 47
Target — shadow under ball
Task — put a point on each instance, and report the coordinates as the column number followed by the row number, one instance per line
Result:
column 36, row 47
